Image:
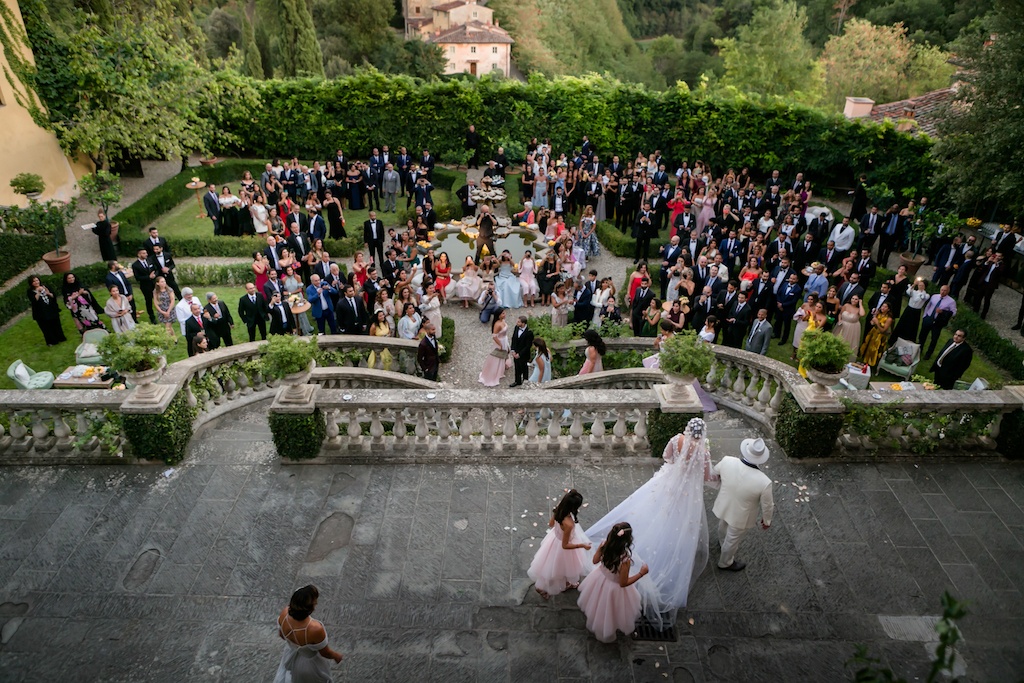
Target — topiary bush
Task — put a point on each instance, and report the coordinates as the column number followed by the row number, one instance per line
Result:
column 21, row 252
column 164, row 436
column 1011, row 435
column 662, row 427
column 806, row 435
column 447, row 339
column 298, row 437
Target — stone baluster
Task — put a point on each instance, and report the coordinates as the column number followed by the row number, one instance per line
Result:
column 726, row 382
column 620, row 429
column 62, row 432
column 40, row 425
column 740, row 385
column 751, row 393
column 333, row 433
column 421, row 427
column 711, row 382
column 376, row 428
column 355, row 431
column 461, row 421
column 764, row 395
column 444, row 429
column 776, row 402
column 487, row 429
column 244, row 386
column 399, row 428
column 576, row 429
column 532, row 431
column 640, row 428
column 597, row 430
column 508, row 429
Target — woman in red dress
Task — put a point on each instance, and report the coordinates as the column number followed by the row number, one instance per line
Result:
column 443, row 274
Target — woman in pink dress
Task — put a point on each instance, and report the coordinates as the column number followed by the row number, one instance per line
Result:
column 528, row 279
column 359, row 271
column 595, row 350
column 608, row 597
column 495, row 365
column 561, row 561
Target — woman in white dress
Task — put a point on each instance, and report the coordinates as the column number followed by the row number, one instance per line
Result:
column 260, row 215
column 528, row 279
column 670, row 526
column 430, row 305
column 470, row 284
column 409, row 323
column 600, row 298
column 307, row 656
column 560, row 306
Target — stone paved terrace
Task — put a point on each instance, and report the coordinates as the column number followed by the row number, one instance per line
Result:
column 144, row 574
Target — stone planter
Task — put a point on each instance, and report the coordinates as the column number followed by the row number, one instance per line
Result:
column 678, row 395
column 58, row 263
column 296, row 386
column 913, row 263
column 146, row 388
column 823, row 381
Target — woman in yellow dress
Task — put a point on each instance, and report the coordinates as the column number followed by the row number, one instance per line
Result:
column 380, row 327
column 874, row 344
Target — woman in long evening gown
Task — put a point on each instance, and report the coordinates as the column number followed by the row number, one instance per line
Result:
column 307, row 656
column 507, row 284
column 541, row 362
column 335, row 216
column 45, row 311
column 875, row 342
column 670, row 523
column 910, row 320
column 495, row 364
column 82, row 304
column 848, row 325
column 594, row 352
column 528, row 279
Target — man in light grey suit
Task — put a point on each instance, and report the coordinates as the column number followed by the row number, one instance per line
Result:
column 743, row 489
column 391, row 182
column 760, row 334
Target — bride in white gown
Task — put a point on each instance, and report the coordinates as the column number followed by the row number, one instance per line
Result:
column 670, row 526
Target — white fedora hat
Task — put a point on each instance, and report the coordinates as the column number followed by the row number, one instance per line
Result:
column 754, row 451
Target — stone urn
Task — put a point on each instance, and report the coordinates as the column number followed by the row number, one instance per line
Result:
column 145, row 382
column 824, row 381
column 296, row 385
column 678, row 394
column 679, row 385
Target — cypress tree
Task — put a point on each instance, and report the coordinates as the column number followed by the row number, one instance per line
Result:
column 292, row 39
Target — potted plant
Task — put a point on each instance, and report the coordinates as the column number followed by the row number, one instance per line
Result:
column 29, row 184
column 823, row 356
column 291, row 360
column 50, row 219
column 684, row 357
column 921, row 230
column 103, row 189
column 139, row 355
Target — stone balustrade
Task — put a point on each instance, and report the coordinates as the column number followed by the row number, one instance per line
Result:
column 755, row 385
column 626, row 378
column 368, row 378
column 60, row 427
column 396, row 425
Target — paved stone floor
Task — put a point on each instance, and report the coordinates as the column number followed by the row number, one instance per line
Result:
column 152, row 574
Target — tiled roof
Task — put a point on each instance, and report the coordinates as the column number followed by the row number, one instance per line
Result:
column 473, row 32
column 924, row 108
column 449, row 6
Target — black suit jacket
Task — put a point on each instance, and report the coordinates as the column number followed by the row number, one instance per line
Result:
column 760, row 295
column 300, row 245
column 142, row 273
column 250, row 312
column 522, row 342
column 124, row 285
column 427, row 357
column 724, row 310
column 351, row 321
column 273, row 254
column 389, row 271
column 804, row 254
column 192, row 328
column 270, row 287
column 276, row 325
column 1004, row 243
column 953, row 366
column 168, row 263
column 301, row 219
column 148, row 244
column 867, row 271
column 368, row 232
column 847, row 291
column 831, row 264
column 226, row 321
column 893, row 301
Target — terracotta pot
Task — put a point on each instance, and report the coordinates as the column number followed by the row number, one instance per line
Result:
column 114, row 228
column 913, row 263
column 58, row 263
column 209, row 162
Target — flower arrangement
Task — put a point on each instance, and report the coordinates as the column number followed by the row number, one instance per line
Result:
column 973, row 222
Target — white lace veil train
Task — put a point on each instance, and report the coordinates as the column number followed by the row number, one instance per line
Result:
column 670, row 529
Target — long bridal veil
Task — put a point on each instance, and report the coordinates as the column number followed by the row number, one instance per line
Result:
column 670, row 528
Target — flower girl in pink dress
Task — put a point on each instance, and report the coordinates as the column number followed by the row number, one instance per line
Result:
column 562, row 559
column 607, row 596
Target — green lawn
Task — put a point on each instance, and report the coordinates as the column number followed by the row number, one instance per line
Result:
column 182, row 222
column 24, row 340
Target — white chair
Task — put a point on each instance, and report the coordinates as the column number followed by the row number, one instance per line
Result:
column 901, row 359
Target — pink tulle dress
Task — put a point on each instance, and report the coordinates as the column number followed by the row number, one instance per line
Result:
column 609, row 607
column 553, row 566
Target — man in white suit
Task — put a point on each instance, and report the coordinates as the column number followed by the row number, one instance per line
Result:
column 743, row 488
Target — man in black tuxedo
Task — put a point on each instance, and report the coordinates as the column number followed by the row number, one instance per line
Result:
column 220, row 318
column 403, row 164
column 780, row 243
column 643, row 230
column 703, row 306
column 522, row 343
column 985, row 282
column 391, row 268
column 731, row 249
column 830, row 257
column 725, row 300
column 430, row 215
column 760, row 294
column 464, row 194
column 779, row 277
column 1004, row 242
column 594, row 166
column 584, row 309
column 473, row 146
column 786, row 303
column 299, row 243
column 641, row 301
column 737, row 322
column 196, row 323
column 427, row 355
column 884, row 295
column 953, row 360
column 806, row 252
column 145, row 277
column 820, row 226
column 947, row 261
column 297, row 218
column 212, row 205
column 870, row 224
column 890, row 234
column 866, row 267
column 426, row 165
column 317, row 225
column 253, row 310
column 163, row 264
column 119, row 278
column 155, row 239
column 850, row 289
column 281, row 319
column 351, row 313
column 373, row 238
column 272, row 286
column 273, row 252
column 670, row 254
column 685, row 224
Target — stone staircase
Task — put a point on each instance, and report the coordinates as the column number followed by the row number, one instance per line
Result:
column 726, row 430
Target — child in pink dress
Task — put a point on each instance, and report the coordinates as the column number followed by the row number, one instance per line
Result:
column 607, row 596
column 562, row 559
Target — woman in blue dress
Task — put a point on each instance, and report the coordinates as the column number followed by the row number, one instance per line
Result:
column 506, row 283
column 540, row 190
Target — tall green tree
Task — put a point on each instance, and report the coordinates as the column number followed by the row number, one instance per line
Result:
column 253, row 61
column 771, row 56
column 880, row 62
column 981, row 147
column 353, row 29
column 293, row 40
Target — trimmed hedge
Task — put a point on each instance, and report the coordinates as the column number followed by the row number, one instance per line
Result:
column 18, row 252
column 1011, row 435
column 621, row 118
column 621, row 244
column 806, row 435
column 164, row 436
column 447, row 339
column 298, row 437
column 662, row 427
